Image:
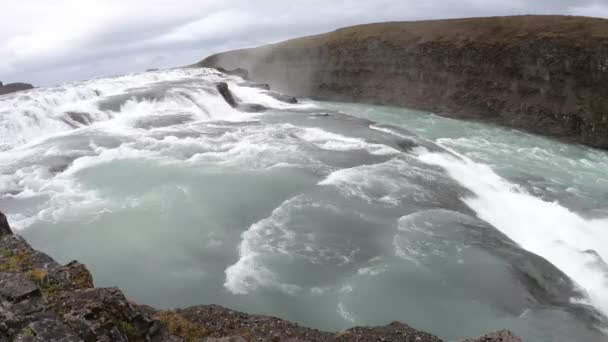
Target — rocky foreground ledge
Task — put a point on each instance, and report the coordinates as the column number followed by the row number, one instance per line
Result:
column 41, row 300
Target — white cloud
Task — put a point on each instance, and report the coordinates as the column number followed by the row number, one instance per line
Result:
column 597, row 9
column 43, row 41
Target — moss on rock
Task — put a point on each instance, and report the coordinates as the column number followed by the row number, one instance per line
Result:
column 180, row 326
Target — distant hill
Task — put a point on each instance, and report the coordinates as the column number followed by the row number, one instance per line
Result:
column 14, row 87
column 547, row 74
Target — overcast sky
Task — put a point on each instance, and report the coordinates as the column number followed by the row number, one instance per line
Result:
column 49, row 41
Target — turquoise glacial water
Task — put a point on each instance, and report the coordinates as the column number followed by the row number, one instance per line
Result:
column 328, row 214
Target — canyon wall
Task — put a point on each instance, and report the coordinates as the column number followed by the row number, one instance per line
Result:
column 546, row 74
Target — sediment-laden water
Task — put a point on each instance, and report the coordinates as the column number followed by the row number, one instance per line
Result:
column 328, row 214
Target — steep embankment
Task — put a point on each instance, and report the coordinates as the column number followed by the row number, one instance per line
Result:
column 547, row 74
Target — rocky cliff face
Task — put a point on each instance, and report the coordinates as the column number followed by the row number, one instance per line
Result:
column 547, row 74
column 41, row 300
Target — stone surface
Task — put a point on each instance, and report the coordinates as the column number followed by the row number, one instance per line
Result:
column 5, row 228
column 225, row 339
column 395, row 331
column 243, row 73
column 41, row 300
column 52, row 330
column 224, row 90
column 281, row 97
column 220, row 321
column 222, row 87
column 16, row 286
column 251, row 107
column 14, row 87
column 263, row 86
column 545, row 74
column 78, row 118
column 499, row 336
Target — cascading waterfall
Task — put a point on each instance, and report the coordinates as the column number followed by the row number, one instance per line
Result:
column 576, row 245
column 329, row 214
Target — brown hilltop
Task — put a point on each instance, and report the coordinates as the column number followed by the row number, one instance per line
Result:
column 547, row 74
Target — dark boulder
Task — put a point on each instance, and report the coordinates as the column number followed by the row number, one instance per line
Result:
column 1, row 84
column 222, row 87
column 224, row 90
column 235, row 72
column 395, row 331
column 499, row 336
column 16, row 286
column 103, row 314
column 251, row 107
column 77, row 276
column 264, row 86
column 78, row 118
column 14, row 87
column 281, row 97
column 47, row 329
column 5, row 229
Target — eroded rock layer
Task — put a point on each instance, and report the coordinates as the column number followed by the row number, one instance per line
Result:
column 547, row 74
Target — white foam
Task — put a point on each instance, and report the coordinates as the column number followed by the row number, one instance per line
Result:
column 255, row 95
column 108, row 155
column 388, row 131
column 384, row 182
column 345, row 313
column 372, row 270
column 336, row 142
column 258, row 147
column 544, row 228
column 64, row 197
column 269, row 235
column 272, row 239
column 39, row 113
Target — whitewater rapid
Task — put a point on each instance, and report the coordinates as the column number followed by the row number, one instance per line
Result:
column 325, row 213
column 575, row 244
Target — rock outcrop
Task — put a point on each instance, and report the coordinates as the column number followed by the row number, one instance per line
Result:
column 14, row 87
column 243, row 73
column 224, row 90
column 281, row 97
column 546, row 74
column 5, row 228
column 41, row 300
column 502, row 336
column 76, row 119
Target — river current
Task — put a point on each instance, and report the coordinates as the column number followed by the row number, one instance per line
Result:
column 328, row 214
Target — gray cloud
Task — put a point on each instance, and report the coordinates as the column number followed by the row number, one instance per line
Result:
column 47, row 42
